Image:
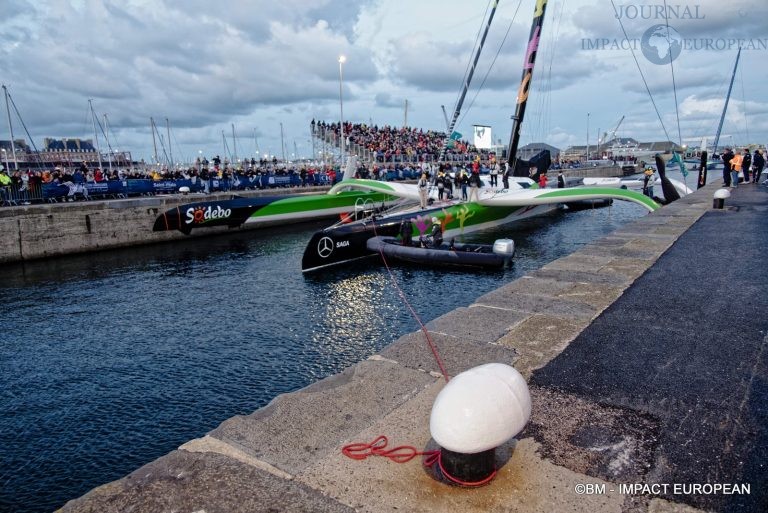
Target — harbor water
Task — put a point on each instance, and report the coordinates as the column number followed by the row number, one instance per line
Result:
column 111, row 360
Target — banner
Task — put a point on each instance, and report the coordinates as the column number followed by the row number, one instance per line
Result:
column 483, row 140
column 455, row 136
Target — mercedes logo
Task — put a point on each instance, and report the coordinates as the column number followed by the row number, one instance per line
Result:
column 325, row 247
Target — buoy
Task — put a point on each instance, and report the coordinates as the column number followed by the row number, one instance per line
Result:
column 719, row 198
column 477, row 411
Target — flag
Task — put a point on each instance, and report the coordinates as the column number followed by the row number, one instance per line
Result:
column 679, row 161
column 455, row 136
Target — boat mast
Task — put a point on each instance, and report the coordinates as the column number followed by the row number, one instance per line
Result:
column 525, row 83
column 725, row 107
column 234, row 147
column 95, row 133
column 464, row 89
column 109, row 146
column 10, row 129
column 170, row 146
column 154, row 141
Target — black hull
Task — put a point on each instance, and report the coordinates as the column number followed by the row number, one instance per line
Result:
column 589, row 204
column 479, row 256
column 229, row 212
column 346, row 242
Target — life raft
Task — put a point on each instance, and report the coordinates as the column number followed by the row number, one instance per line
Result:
column 484, row 256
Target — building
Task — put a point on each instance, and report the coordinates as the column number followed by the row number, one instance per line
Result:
column 65, row 151
column 529, row 150
column 620, row 148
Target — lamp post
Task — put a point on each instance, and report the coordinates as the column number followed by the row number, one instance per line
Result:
column 587, row 136
column 199, row 161
column 342, row 60
column 5, row 158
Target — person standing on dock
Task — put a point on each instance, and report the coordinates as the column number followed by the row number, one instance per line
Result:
column 736, row 162
column 746, row 165
column 726, row 158
column 759, row 162
column 560, row 180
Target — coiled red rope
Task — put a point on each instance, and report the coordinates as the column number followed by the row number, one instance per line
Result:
column 404, row 454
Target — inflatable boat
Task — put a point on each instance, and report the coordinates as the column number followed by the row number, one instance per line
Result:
column 483, row 256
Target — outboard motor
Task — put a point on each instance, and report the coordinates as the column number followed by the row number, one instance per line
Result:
column 505, row 248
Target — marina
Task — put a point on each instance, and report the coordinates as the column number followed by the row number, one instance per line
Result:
column 381, row 316
column 201, row 330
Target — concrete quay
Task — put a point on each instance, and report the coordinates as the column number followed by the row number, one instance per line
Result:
column 645, row 354
column 55, row 229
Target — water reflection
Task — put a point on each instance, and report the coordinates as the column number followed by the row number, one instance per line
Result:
column 120, row 357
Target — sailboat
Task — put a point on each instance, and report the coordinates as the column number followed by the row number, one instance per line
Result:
column 522, row 198
column 262, row 211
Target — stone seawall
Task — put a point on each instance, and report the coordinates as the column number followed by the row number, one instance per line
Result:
column 57, row 229
column 573, row 456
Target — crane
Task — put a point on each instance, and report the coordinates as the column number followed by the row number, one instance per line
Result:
column 613, row 132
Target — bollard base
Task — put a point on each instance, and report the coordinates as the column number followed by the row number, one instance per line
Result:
column 718, row 203
column 467, row 469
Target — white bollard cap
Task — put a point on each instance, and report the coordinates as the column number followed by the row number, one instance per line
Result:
column 480, row 409
column 184, row 189
column 722, row 194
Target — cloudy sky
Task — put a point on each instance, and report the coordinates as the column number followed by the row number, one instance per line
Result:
column 205, row 66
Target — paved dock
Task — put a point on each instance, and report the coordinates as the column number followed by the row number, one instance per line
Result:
column 645, row 354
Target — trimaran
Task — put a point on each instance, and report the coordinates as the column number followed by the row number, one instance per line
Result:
column 523, row 198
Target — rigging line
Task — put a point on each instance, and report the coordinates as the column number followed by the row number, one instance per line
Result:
column 176, row 140
column 490, row 67
column 114, row 137
column 104, row 133
column 474, row 49
column 545, row 87
column 671, row 65
column 744, row 102
column 401, row 293
column 642, row 75
column 32, row 142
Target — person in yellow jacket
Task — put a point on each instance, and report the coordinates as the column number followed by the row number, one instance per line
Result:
column 736, row 162
column 5, row 186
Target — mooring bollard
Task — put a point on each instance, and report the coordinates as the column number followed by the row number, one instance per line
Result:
column 719, row 199
column 477, row 411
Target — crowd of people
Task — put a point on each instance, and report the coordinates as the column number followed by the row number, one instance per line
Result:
column 745, row 166
column 405, row 144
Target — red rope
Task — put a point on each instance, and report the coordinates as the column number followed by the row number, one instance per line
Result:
column 413, row 312
column 399, row 454
column 404, row 454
